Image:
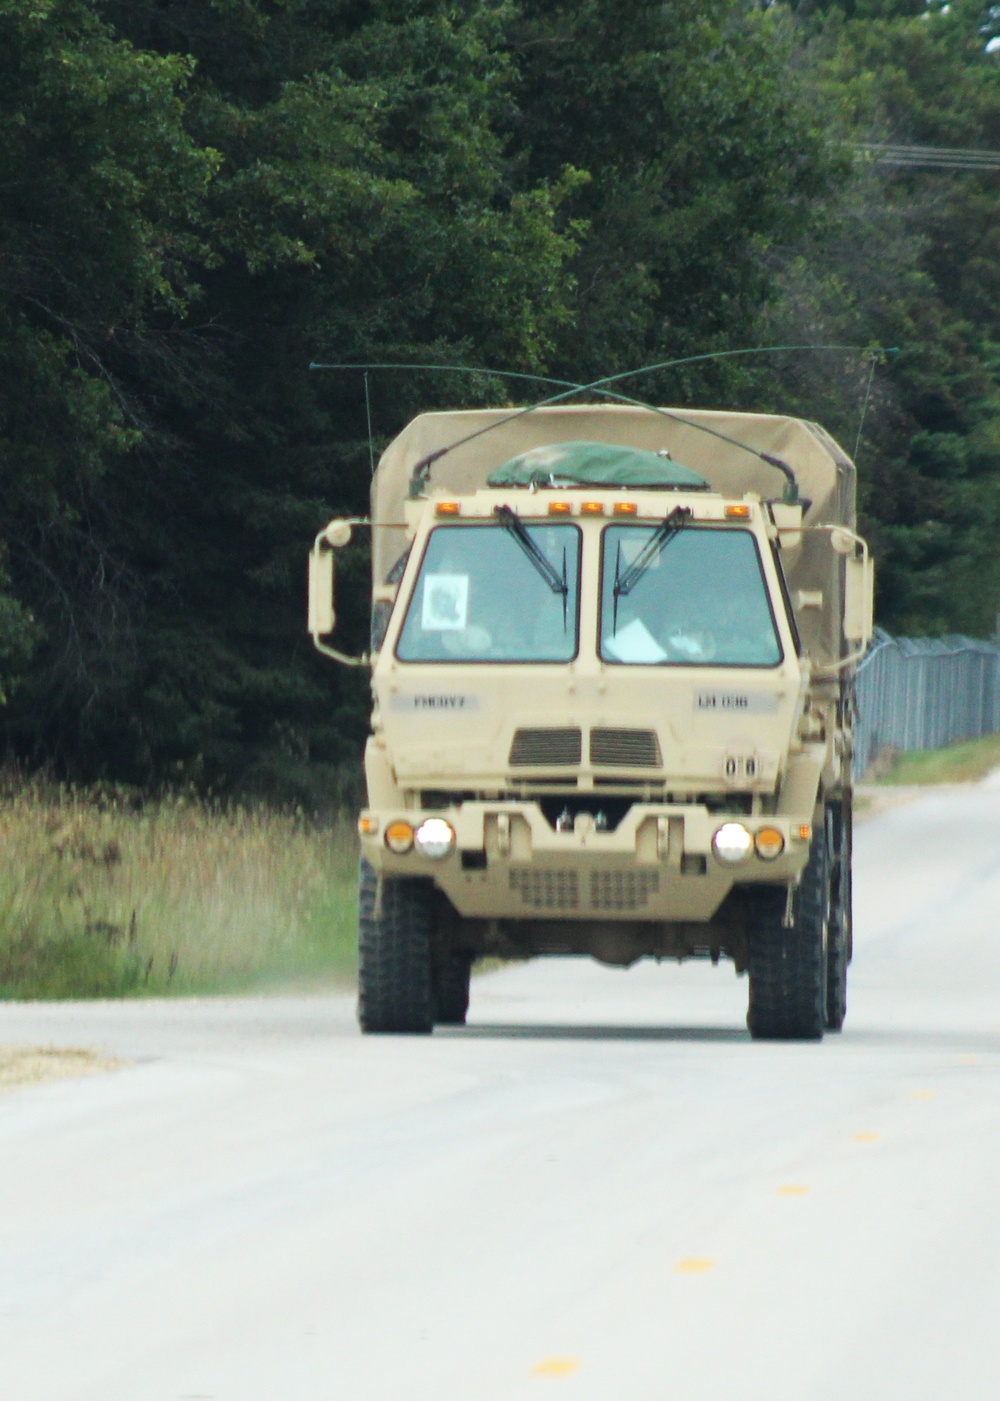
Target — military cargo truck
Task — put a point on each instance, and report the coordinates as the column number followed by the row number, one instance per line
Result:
column 612, row 661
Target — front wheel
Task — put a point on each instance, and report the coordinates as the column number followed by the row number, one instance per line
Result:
column 395, row 988
column 789, row 958
column 839, row 938
column 451, row 989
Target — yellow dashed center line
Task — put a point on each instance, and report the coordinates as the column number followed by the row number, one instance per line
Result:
column 792, row 1189
column 866, row 1137
column 692, row 1265
column 556, row 1367
column 924, row 1094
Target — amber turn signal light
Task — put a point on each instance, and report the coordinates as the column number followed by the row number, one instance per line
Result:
column 769, row 843
column 399, row 837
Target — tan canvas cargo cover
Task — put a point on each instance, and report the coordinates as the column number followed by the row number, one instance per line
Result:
column 825, row 475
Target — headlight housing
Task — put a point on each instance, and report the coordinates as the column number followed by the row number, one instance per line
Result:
column 732, row 843
column 435, row 838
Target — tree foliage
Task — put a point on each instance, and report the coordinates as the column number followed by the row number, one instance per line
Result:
column 701, row 151
column 202, row 196
column 245, row 189
column 908, row 257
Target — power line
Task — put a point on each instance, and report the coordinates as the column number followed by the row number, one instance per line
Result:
column 928, row 157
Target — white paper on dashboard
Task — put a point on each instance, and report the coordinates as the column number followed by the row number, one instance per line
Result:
column 446, row 602
column 635, row 643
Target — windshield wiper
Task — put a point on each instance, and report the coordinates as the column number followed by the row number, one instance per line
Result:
column 653, row 548
column 513, row 524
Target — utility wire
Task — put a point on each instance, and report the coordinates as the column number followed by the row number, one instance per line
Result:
column 928, row 157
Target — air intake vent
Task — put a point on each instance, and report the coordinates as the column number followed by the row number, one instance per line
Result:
column 545, row 747
column 622, row 890
column 626, row 749
column 542, row 889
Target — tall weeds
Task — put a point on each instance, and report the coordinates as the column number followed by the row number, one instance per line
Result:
column 101, row 895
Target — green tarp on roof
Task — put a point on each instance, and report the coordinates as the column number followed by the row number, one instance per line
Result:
column 595, row 464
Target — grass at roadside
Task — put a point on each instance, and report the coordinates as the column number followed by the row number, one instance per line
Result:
column 966, row 762
column 101, row 897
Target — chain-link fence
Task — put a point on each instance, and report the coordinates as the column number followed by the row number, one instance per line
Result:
column 924, row 693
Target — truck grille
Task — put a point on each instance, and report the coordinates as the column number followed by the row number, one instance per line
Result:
column 622, row 890
column 627, row 749
column 546, row 890
column 545, row 747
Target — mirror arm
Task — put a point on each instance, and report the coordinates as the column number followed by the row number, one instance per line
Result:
column 832, row 668
column 364, row 660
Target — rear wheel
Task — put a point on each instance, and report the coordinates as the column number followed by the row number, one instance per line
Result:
column 788, row 964
column 451, row 989
column 395, row 990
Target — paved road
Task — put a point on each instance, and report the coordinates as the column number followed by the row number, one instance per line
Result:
column 600, row 1189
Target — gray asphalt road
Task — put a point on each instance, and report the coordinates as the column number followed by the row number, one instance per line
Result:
column 600, row 1189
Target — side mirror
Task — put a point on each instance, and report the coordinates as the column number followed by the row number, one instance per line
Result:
column 322, row 617
column 859, row 598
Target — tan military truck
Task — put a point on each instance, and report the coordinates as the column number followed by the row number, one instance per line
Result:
column 612, row 662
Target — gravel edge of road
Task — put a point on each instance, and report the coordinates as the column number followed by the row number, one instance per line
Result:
column 21, row 1066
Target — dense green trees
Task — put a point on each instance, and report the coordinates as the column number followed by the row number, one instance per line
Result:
column 908, row 257
column 701, row 153
column 198, row 197
column 300, row 185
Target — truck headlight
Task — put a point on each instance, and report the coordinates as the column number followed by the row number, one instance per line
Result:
column 732, row 843
column 435, row 838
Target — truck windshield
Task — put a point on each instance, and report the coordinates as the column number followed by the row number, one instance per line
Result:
column 482, row 597
column 701, row 602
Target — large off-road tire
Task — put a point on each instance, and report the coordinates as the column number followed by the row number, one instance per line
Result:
column 451, row 989
column 788, row 966
column 839, row 931
column 395, row 989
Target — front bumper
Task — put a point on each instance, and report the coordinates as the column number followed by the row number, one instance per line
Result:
column 658, row 864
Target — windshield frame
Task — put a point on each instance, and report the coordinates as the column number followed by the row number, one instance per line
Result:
column 573, row 595
column 690, row 528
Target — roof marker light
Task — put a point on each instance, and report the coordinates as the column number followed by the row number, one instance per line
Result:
column 592, row 508
column 560, row 508
column 625, row 508
column 738, row 513
column 447, row 508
